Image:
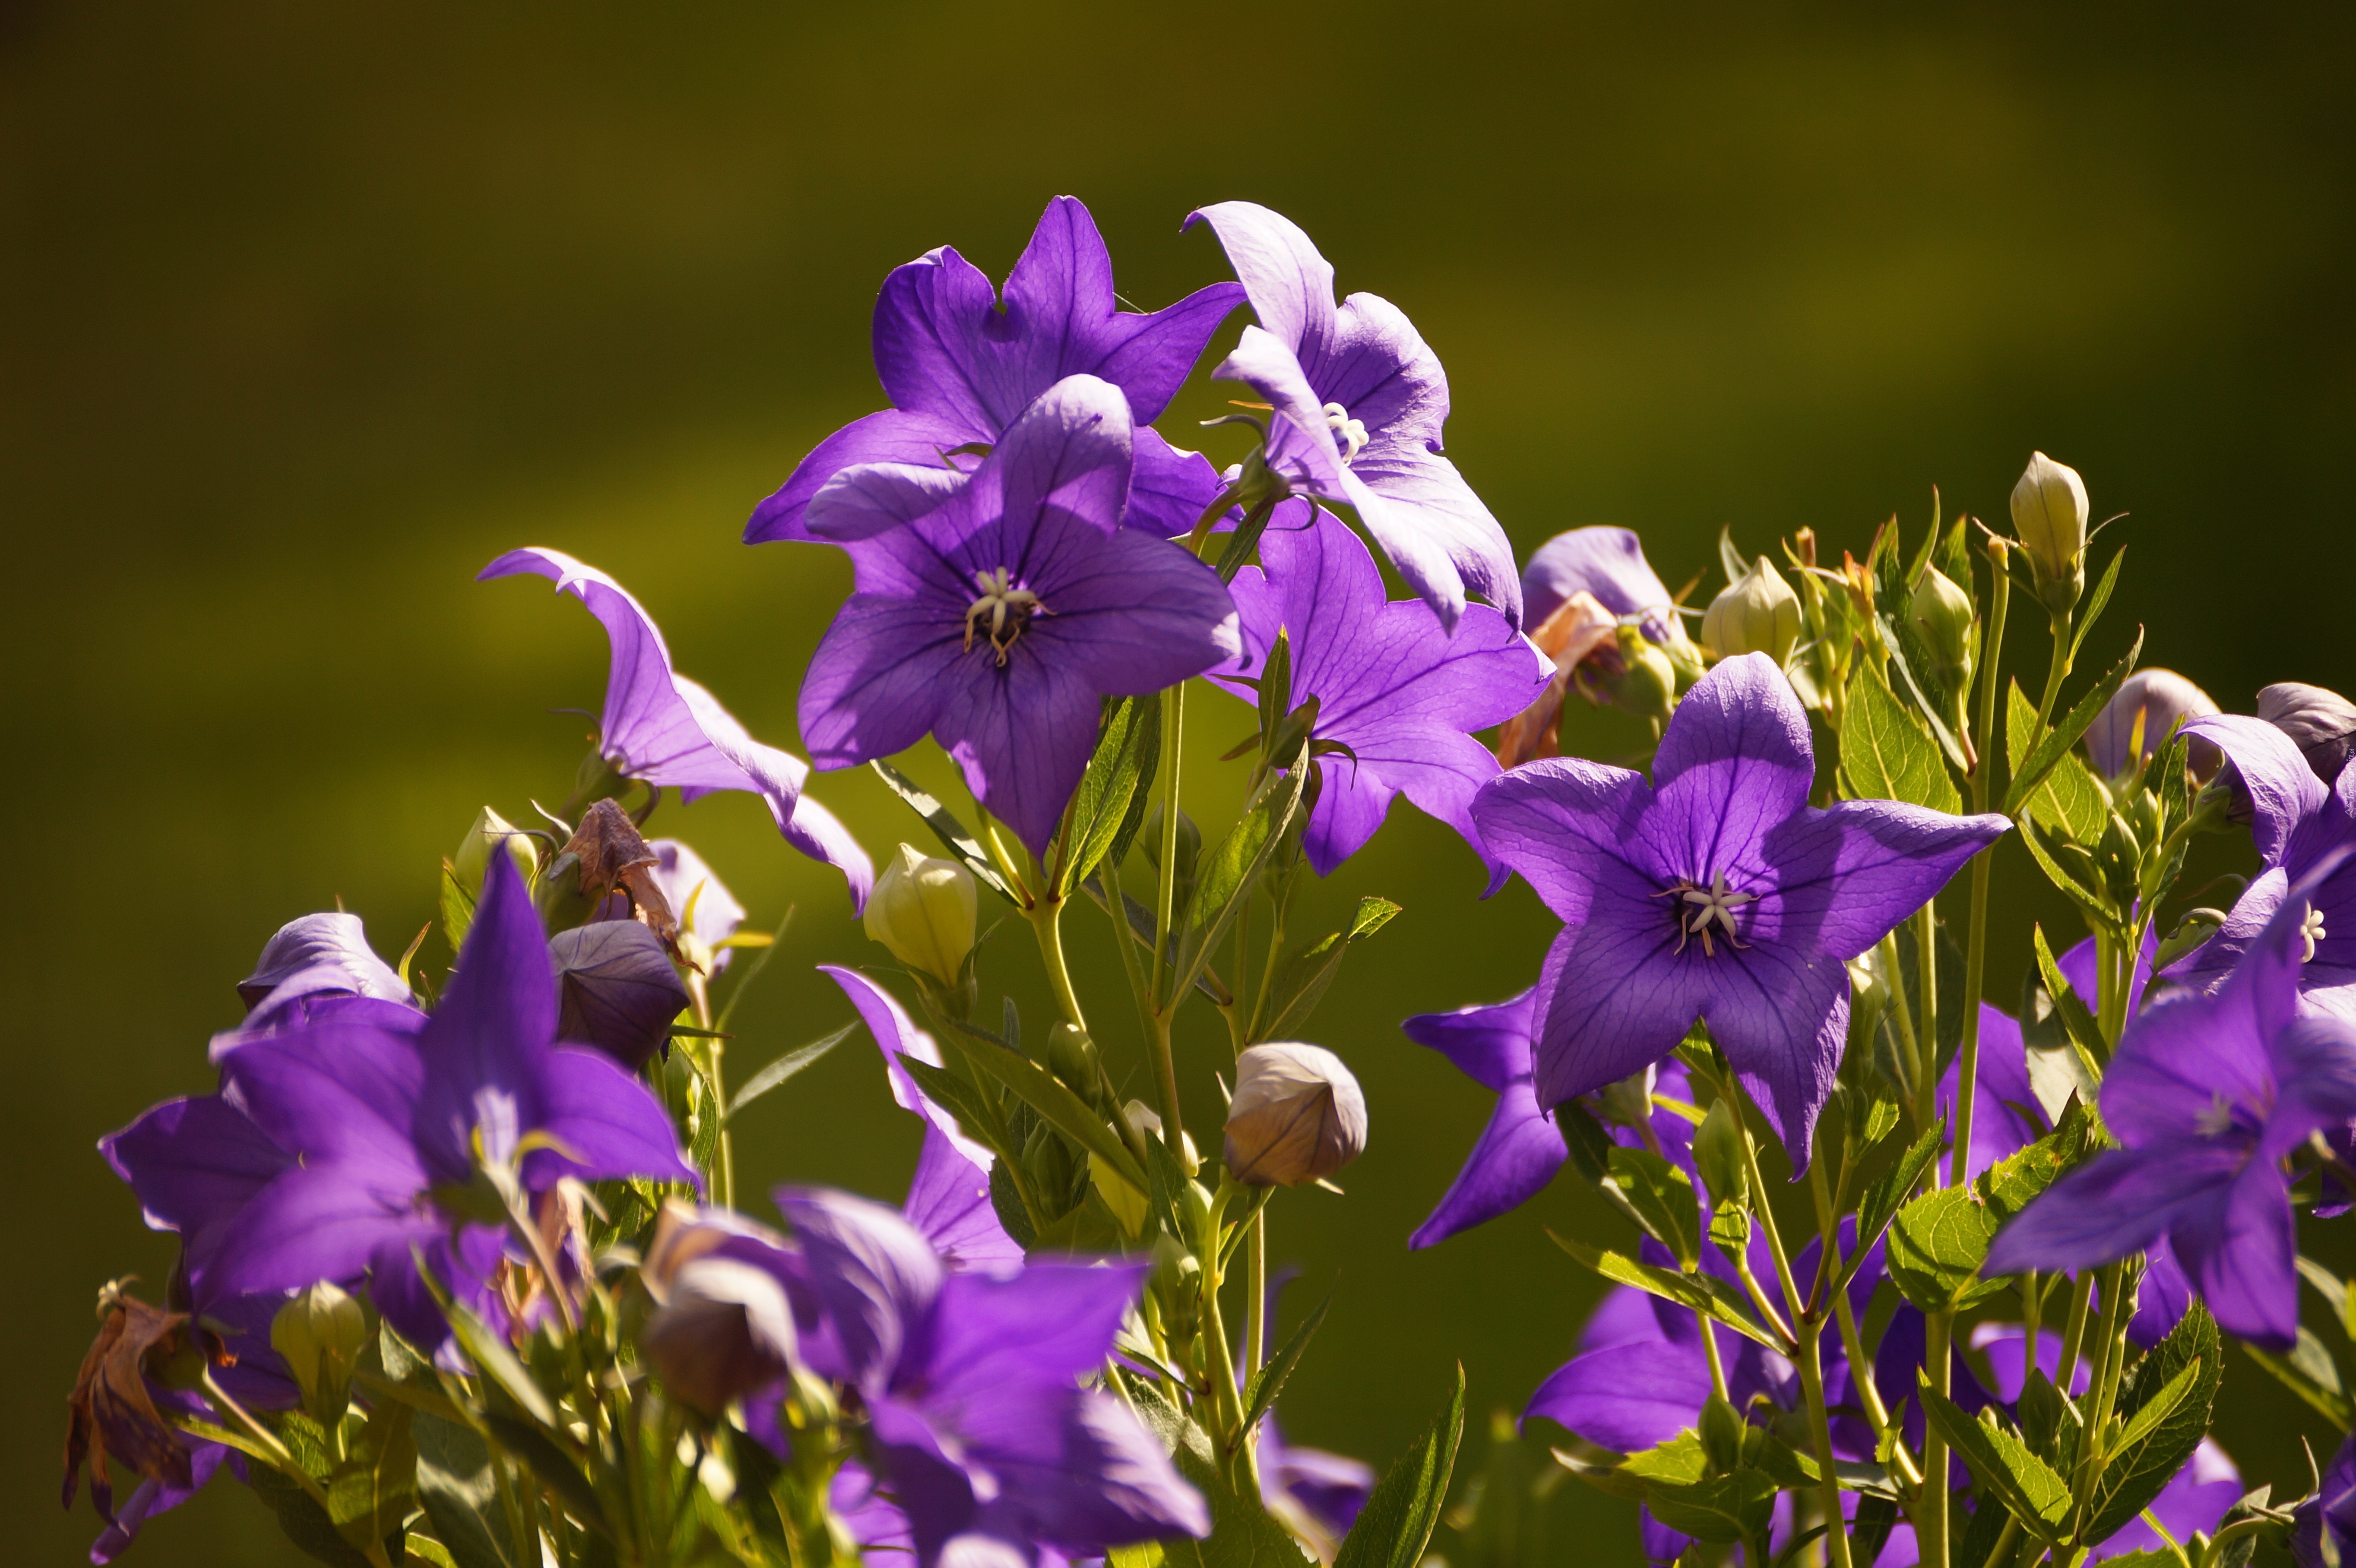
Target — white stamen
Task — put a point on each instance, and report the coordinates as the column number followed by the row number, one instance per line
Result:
column 2310, row 932
column 1714, row 903
column 2216, row 1119
column 1009, row 609
column 1350, row 432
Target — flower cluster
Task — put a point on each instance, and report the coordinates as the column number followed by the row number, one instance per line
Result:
column 1896, row 1275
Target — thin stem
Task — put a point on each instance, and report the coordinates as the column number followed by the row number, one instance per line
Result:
column 2032, row 1301
column 1256, row 1308
column 1046, row 919
column 2056, row 672
column 1902, row 1012
column 1173, row 715
column 1820, row 1430
column 1926, row 982
column 1930, row 1509
column 284, row 1459
column 1968, row 1058
column 2106, row 1386
column 1766, row 1212
column 1709, row 1352
column 1877, row 1414
column 1226, row 1396
column 2074, row 1331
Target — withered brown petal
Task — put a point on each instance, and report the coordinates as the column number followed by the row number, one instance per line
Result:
column 109, row 1409
column 614, row 855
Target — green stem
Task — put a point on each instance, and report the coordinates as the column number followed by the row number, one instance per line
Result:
column 1926, row 1014
column 2032, row 1301
column 1709, row 1352
column 1930, row 1506
column 1820, row 1430
column 1227, row 1398
column 1174, row 728
column 1046, row 919
column 1256, row 1308
column 2074, row 1330
column 1877, row 1414
column 1967, row 1060
column 2056, row 672
column 2106, row 1386
column 1901, row 1011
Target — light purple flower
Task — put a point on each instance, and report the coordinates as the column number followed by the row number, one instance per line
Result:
column 959, row 368
column 2161, row 700
column 1522, row 1147
column 2208, row 1093
column 660, row 728
column 1395, row 689
column 350, row 1125
column 316, row 957
column 1001, row 608
column 707, row 911
column 1715, row 892
column 1608, row 565
column 1359, row 400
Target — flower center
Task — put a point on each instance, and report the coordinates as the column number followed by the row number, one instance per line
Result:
column 2310, row 932
column 1697, row 908
column 1350, row 432
column 2216, row 1119
column 1006, row 608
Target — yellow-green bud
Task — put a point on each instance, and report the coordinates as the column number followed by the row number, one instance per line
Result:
column 320, row 1334
column 1298, row 1116
column 924, row 909
column 1756, row 613
column 1944, row 613
column 473, row 860
column 2048, row 513
column 1647, row 685
column 1148, row 1120
column 1127, row 1203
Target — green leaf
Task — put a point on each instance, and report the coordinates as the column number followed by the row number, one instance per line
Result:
column 1909, row 660
column 1885, row 1198
column 305, row 1523
column 1730, row 560
column 1224, row 878
column 461, row 1493
column 2335, row 1292
column 2097, row 601
column 1886, row 752
column 1661, row 1197
column 2003, row 1464
column 457, row 909
column 947, row 829
column 1267, row 1383
column 2070, row 801
column 497, row 1363
column 1307, row 973
column 555, row 1469
column 374, row 1488
column 1396, row 1524
column 1936, row 1247
column 1673, row 1481
column 1127, row 755
column 2007, row 1186
column 2066, row 730
column 1243, row 1534
column 2069, row 1009
column 2093, row 901
column 1700, row 1293
column 786, row 1066
column 1046, row 1094
column 2182, row 1371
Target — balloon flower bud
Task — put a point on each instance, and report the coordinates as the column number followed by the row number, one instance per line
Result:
column 2320, row 723
column 2145, row 712
column 474, row 856
column 725, row 1327
column 615, row 990
column 1297, row 1117
column 924, row 909
column 1647, row 685
column 319, row 1335
column 1942, row 613
column 1756, row 613
column 2048, row 513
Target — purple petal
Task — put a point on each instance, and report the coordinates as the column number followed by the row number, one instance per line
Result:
column 2285, row 793
column 2196, row 1499
column 1383, row 373
column 1734, row 765
column 609, row 1124
column 896, row 1036
column 1605, row 562
column 1136, row 614
column 1169, row 487
column 1301, row 443
column 153, row 1497
column 2238, row 1245
column 1069, row 453
column 2161, row 1302
column 1629, row 1397
column 315, row 1222
column 1438, row 533
column 2119, row 1202
column 890, row 436
column 1518, row 1154
column 1781, row 1016
column 1049, row 1323
column 861, row 502
column 1841, row 879
column 331, row 951
column 1624, row 1315
column 333, row 1093
column 948, row 1203
column 877, row 680
column 1616, row 1003
column 1290, row 285
column 1571, row 829
column 617, row 990
column 1023, row 736
column 195, row 1164
column 875, row 1279
column 1076, row 1472
column 491, row 1032
column 1491, row 1045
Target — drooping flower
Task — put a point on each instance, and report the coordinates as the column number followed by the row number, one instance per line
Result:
column 1522, row 1147
column 332, row 1146
column 1359, row 401
column 896, row 1036
column 316, row 957
column 970, row 1380
column 1400, row 694
column 2298, row 827
column 2158, row 701
column 2208, row 1093
column 1714, row 893
column 661, row 729
column 998, row 614
column 1577, row 592
column 959, row 368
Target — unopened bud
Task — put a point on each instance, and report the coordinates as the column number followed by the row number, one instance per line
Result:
column 1297, row 1117
column 2320, row 722
column 615, row 990
column 1647, row 684
column 2158, row 701
column 725, row 1327
column 1148, row 1120
column 473, row 860
column 2050, row 513
column 1756, row 613
column 1190, row 843
column 1629, row 1102
column 319, row 1335
column 1942, row 613
column 1072, row 1057
column 924, row 909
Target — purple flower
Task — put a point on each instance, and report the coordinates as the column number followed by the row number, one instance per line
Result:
column 970, row 1380
column 323, row 1155
column 2208, row 1093
column 615, row 990
column 2299, row 825
column 660, row 728
column 1715, row 892
column 2332, row 1509
column 1324, row 1491
column 1522, row 1147
column 1607, row 564
column 1003, row 607
column 1392, row 686
column 316, row 957
column 960, row 369
column 1359, row 400
column 2159, row 700
column 896, row 1036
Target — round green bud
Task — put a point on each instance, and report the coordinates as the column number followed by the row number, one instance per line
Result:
column 1758, row 613
column 2050, row 513
column 1944, row 613
column 924, row 909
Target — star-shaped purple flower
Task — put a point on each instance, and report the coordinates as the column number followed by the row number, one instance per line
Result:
column 1359, row 400
column 1714, row 893
column 322, row 1156
column 1521, row 1148
column 2298, row 824
column 1391, row 685
column 960, row 368
column 2207, row 1092
column 660, row 728
column 995, row 612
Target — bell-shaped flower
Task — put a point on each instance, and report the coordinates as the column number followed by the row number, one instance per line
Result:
column 1397, row 697
column 312, row 959
column 996, row 612
column 1713, row 892
column 2207, row 1092
column 1359, row 400
column 360, row 1128
column 959, row 365
column 660, row 728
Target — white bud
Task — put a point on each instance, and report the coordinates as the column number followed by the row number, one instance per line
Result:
column 924, row 909
column 2050, row 513
column 1756, row 613
column 1297, row 1116
column 320, row 1334
column 469, row 866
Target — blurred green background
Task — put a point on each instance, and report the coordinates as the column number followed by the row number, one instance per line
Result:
column 311, row 311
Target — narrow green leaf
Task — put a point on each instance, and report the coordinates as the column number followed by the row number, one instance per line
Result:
column 1224, row 878
column 1888, row 754
column 2003, row 1464
column 2070, row 802
column 2335, row 1407
column 2160, row 1406
column 1730, row 560
column 1046, row 1094
column 2070, row 1010
column 1243, row 1534
column 1662, row 1199
column 1308, row 972
column 1396, row 1524
column 1885, row 1198
column 1267, row 1383
column 1697, row 1291
column 2066, row 730
column 947, row 829
column 975, row 1118
column 786, row 1066
column 374, row 1488
column 460, row 1492
column 495, row 1360
column 1911, row 662
column 2097, row 601
column 2092, row 901
column 304, row 1522
column 1127, row 755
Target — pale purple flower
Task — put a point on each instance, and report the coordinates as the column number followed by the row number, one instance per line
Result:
column 996, row 612
column 1716, row 892
column 2160, row 699
column 1607, row 564
column 660, row 728
column 959, row 367
column 1359, row 400
column 1395, row 689
column 316, row 957
column 2208, row 1093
